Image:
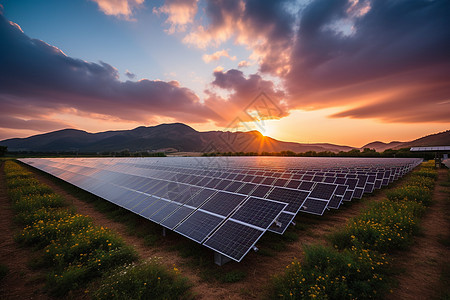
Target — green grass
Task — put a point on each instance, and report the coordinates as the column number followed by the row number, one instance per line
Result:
column 75, row 250
column 329, row 274
column 42, row 233
column 385, row 226
column 149, row 280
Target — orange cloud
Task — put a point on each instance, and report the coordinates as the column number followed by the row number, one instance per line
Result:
column 217, row 55
column 264, row 28
column 243, row 64
column 180, row 13
column 119, row 8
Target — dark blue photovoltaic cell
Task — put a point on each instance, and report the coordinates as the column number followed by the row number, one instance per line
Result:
column 369, row 188
column 340, row 190
column 175, row 189
column 323, row 191
column 223, row 184
column 280, row 182
column 268, row 181
column 307, row 177
column 314, row 206
column 362, row 179
column 164, row 212
column 198, row 225
column 234, row 186
column 340, row 180
column 213, row 182
column 176, row 217
column 187, row 194
column 144, row 204
column 358, row 193
column 306, row 185
column 293, row 184
column 233, row 239
column 204, row 181
column 335, row 202
column 351, row 183
column 348, row 195
column 258, row 212
column 152, row 209
column 294, row 198
column 378, row 183
column 260, row 191
column 318, row 178
column 132, row 201
column 199, row 198
column 223, row 203
column 246, row 188
column 282, row 223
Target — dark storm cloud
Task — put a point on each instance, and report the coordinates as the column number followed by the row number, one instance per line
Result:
column 393, row 48
column 243, row 91
column 383, row 58
column 264, row 26
column 130, row 75
column 38, row 124
column 37, row 76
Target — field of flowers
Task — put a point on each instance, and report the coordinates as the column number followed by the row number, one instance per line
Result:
column 74, row 250
column 356, row 264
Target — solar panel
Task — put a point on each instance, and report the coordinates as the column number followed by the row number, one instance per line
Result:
column 348, row 195
column 314, row 206
column 259, row 212
column 323, row 191
column 246, row 188
column 358, row 193
column 293, row 184
column 199, row 225
column 306, row 185
column 335, row 202
column 233, row 187
column 153, row 209
column 260, row 191
column 294, row 198
column 226, row 203
column 164, row 212
column 199, row 198
column 186, row 194
column 223, row 203
column 338, row 196
column 234, row 239
column 282, row 223
column 176, row 217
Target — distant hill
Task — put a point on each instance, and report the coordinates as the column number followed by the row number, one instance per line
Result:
column 181, row 137
column 380, row 146
column 177, row 136
column 438, row 139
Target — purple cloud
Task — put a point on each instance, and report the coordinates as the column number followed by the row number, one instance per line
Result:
column 35, row 76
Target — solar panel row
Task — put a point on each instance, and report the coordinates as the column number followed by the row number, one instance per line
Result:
column 226, row 204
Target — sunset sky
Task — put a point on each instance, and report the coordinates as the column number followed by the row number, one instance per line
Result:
column 346, row 72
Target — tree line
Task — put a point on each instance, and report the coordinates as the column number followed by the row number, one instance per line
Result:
column 366, row 152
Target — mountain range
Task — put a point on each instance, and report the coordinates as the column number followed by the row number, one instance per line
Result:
column 182, row 138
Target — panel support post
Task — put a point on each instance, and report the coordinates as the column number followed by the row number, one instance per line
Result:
column 220, row 259
column 164, row 231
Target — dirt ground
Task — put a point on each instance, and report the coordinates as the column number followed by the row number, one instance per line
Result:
column 421, row 264
column 21, row 282
column 259, row 269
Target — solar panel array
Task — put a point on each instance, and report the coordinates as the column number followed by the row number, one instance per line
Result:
column 226, row 203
